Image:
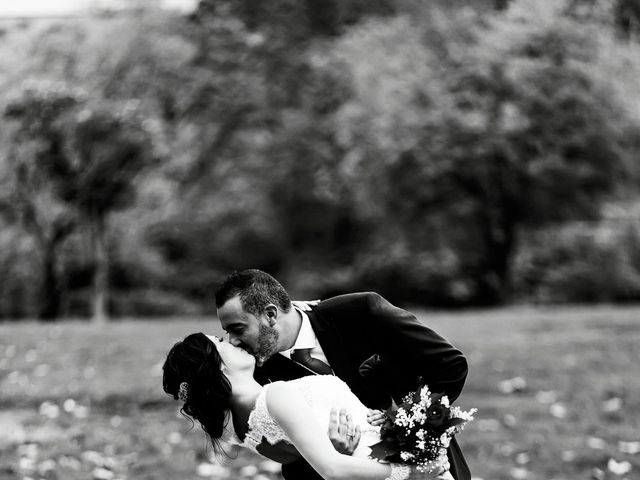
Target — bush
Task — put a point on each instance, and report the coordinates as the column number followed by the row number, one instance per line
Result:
column 581, row 263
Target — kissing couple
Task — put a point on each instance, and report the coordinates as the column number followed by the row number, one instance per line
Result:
column 288, row 366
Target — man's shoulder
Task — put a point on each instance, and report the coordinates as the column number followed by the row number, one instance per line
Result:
column 349, row 300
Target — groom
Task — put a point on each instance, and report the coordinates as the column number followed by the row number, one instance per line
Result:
column 379, row 350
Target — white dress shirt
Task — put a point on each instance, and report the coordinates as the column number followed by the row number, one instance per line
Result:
column 306, row 339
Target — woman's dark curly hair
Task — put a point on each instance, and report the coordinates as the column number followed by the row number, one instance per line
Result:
column 196, row 360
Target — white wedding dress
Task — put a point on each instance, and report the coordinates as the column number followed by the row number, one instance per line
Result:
column 322, row 393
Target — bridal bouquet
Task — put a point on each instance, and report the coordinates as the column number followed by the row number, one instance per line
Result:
column 420, row 430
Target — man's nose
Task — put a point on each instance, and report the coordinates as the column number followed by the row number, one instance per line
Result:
column 235, row 341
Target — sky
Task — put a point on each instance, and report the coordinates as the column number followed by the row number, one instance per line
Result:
column 31, row 8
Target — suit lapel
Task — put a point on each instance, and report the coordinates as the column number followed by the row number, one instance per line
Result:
column 335, row 348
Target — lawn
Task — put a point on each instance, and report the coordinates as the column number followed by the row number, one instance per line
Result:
column 557, row 390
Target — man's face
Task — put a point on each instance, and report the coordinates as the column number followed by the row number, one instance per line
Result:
column 255, row 334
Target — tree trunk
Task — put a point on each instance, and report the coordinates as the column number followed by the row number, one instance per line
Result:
column 101, row 270
column 627, row 18
column 50, row 292
column 498, row 231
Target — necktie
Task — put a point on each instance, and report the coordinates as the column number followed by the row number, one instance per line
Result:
column 303, row 357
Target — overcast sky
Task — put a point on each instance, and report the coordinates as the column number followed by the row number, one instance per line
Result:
column 30, row 8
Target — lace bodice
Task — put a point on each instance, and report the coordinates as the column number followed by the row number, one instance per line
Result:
column 321, row 393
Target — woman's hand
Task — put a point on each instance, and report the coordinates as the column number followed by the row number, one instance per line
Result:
column 438, row 470
column 342, row 433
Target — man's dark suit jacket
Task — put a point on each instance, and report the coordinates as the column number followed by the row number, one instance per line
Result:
column 352, row 329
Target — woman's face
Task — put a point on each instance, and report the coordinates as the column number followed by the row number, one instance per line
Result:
column 234, row 358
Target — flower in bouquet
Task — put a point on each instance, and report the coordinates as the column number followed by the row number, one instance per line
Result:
column 420, row 430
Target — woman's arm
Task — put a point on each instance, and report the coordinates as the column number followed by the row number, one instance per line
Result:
column 278, row 453
column 287, row 407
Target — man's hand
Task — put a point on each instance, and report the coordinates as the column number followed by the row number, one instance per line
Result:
column 305, row 305
column 376, row 417
column 343, row 435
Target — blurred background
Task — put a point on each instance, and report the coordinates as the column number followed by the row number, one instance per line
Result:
column 475, row 161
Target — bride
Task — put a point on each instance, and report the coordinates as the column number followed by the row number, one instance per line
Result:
column 214, row 378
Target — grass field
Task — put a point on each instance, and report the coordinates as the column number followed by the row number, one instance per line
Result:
column 558, row 393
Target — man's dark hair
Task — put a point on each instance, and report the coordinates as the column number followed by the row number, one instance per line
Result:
column 256, row 289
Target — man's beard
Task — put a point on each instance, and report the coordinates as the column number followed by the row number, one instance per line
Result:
column 267, row 344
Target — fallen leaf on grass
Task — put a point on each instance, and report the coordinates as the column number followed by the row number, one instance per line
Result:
column 49, row 410
column 558, row 410
column 31, row 356
column 41, row 370
column 18, row 378
column 91, row 456
column 618, row 468
column 212, row 470
column 70, row 463
column 512, row 385
column 46, row 466
column 510, row 420
column 98, row 459
column 596, row 443
column 69, row 405
column 546, row 396
column 174, row 438
column 270, row 466
column 248, row 471
column 10, row 351
column 612, row 405
column 81, row 412
column 29, row 450
column 26, row 463
column 629, row 447
column 519, row 473
column 100, row 473
column 488, row 425
column 507, row 449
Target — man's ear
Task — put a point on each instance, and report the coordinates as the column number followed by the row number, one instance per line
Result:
column 271, row 311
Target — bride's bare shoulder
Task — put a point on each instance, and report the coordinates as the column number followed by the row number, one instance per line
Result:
column 278, row 391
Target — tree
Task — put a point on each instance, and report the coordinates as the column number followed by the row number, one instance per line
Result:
column 90, row 156
column 496, row 130
column 29, row 195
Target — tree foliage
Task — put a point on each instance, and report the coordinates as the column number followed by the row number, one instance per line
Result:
column 510, row 134
column 408, row 147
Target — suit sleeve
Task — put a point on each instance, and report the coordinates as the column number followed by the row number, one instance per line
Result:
column 415, row 349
